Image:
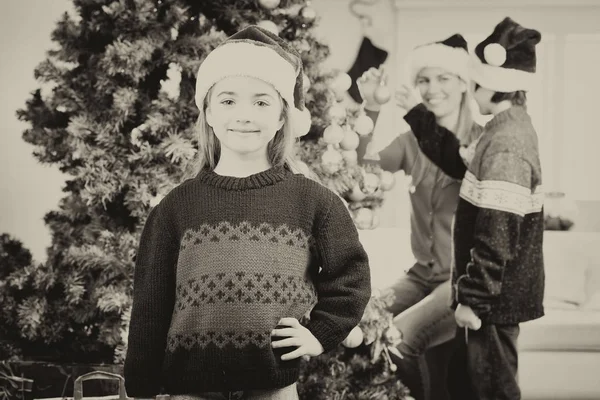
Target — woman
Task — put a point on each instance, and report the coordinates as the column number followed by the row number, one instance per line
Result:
column 422, row 296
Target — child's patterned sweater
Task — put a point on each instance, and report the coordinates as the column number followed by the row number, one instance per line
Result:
column 221, row 261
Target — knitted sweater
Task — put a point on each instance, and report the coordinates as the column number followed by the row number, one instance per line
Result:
column 221, row 261
column 498, row 229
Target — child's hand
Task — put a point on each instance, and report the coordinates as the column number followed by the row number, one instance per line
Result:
column 405, row 98
column 464, row 316
column 367, row 84
column 297, row 336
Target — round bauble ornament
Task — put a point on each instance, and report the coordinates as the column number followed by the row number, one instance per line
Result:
column 363, row 218
column 387, row 180
column 363, row 125
column 341, row 82
column 269, row 4
column 350, row 140
column 308, row 14
column 382, row 94
column 305, row 83
column 370, row 183
column 337, row 112
column 331, row 161
column 350, row 157
column 269, row 25
column 356, row 194
column 333, row 134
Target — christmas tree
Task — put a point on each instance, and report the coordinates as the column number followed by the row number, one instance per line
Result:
column 118, row 120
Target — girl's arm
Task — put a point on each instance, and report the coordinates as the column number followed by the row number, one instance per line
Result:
column 344, row 283
column 153, row 301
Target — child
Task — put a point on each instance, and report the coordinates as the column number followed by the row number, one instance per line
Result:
column 498, row 280
column 230, row 260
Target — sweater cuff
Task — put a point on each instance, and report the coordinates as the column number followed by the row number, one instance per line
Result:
column 142, row 387
column 325, row 334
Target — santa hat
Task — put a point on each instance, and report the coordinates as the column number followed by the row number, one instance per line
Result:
column 450, row 54
column 505, row 61
column 257, row 53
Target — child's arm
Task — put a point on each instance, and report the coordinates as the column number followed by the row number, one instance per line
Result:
column 439, row 144
column 153, row 301
column 344, row 283
column 503, row 196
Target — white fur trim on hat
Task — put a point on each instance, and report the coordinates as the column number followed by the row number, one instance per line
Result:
column 246, row 59
column 301, row 121
column 499, row 79
column 452, row 59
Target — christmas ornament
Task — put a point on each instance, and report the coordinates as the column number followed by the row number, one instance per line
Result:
column 270, row 26
column 269, row 4
column 369, row 56
column 305, row 83
column 331, row 160
column 382, row 94
column 354, row 339
column 350, row 140
column 308, row 13
column 337, row 112
column 370, row 183
column 494, row 54
column 303, row 45
column 350, row 157
column 387, row 180
column 363, row 218
column 341, row 82
column 333, row 134
column 363, row 125
column 356, row 194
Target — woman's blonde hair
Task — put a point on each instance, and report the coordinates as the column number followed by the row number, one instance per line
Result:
column 280, row 151
column 464, row 130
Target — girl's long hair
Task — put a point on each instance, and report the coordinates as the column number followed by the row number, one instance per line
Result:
column 280, row 150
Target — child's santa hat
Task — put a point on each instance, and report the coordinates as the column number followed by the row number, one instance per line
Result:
column 257, row 53
column 450, row 54
column 505, row 61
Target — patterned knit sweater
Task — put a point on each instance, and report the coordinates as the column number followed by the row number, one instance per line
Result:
column 498, row 230
column 221, row 261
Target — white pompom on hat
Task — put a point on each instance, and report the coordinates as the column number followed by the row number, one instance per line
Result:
column 506, row 61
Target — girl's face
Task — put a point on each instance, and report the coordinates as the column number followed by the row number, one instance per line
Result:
column 245, row 114
column 441, row 90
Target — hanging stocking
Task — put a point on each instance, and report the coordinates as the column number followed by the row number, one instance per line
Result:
column 368, row 56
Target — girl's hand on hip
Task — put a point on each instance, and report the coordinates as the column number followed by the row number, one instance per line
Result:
column 297, row 336
column 405, row 98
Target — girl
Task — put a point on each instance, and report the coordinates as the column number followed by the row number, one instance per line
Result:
column 231, row 260
column 422, row 296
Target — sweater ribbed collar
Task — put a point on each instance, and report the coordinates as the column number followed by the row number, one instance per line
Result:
column 514, row 113
column 268, row 177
